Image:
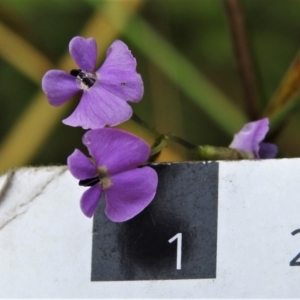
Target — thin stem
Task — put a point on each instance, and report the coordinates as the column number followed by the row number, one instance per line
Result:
column 203, row 152
column 179, row 141
column 160, row 143
column 243, row 56
column 162, row 138
column 141, row 122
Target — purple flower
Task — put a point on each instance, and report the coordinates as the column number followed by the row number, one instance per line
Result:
column 105, row 91
column 113, row 170
column 250, row 140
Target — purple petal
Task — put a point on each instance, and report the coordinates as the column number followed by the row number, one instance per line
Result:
column 267, row 150
column 59, row 87
column 118, row 73
column 80, row 166
column 119, row 57
column 98, row 108
column 130, row 193
column 250, row 136
column 115, row 149
column 126, row 85
column 90, row 199
column 84, row 52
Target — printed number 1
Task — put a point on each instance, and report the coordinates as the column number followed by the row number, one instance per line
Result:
column 177, row 237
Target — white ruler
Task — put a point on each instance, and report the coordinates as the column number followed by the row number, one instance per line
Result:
column 46, row 242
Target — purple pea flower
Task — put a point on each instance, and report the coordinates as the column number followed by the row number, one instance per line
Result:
column 250, row 140
column 105, row 91
column 114, row 171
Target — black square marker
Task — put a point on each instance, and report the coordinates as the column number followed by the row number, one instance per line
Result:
column 185, row 208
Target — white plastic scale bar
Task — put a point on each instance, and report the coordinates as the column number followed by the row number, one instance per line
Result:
column 46, row 242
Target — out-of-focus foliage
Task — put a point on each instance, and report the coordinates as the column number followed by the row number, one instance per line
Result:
column 196, row 29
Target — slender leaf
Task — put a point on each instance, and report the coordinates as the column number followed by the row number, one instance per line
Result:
column 286, row 98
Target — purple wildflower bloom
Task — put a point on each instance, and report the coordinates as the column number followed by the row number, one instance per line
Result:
column 105, row 91
column 250, row 140
column 114, row 171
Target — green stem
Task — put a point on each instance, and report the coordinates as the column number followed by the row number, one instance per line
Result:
column 179, row 141
column 160, row 143
column 144, row 124
column 220, row 153
column 161, row 139
column 202, row 152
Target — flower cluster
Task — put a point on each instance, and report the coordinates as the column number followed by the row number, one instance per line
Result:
column 113, row 169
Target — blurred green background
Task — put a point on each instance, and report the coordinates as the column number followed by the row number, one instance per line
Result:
column 185, row 55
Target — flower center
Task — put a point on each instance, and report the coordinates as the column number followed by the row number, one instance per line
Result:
column 105, row 181
column 84, row 79
column 102, row 178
